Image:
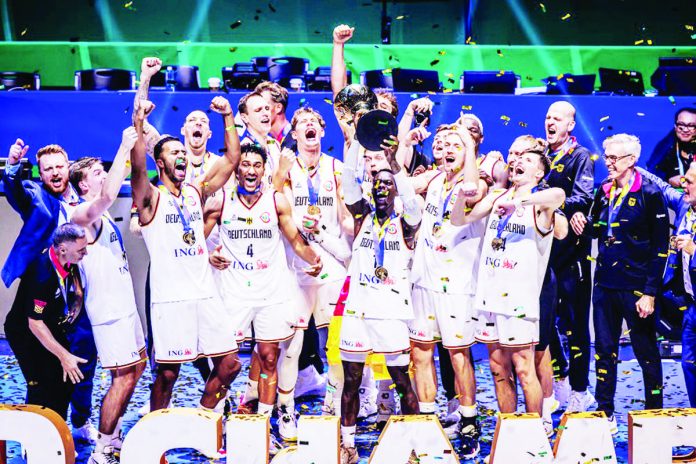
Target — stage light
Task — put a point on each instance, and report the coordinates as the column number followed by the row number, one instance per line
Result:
column 20, row 80
column 104, row 79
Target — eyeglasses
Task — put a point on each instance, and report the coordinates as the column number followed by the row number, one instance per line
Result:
column 613, row 158
column 685, row 127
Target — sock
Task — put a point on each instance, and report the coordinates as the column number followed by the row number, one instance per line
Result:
column 348, row 436
column 287, row 361
column 287, row 400
column 426, row 408
column 546, row 407
column 467, row 411
column 200, row 406
column 251, row 392
column 265, row 409
column 104, row 440
column 119, row 427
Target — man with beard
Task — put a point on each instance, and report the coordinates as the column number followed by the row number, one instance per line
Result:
column 109, row 297
column 572, row 169
column 513, row 261
column 379, row 273
column 629, row 219
column 188, row 319
column 43, row 207
column 254, row 273
column 444, row 277
column 674, row 153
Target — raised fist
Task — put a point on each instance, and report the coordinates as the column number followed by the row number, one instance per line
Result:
column 221, row 105
column 129, row 137
column 287, row 158
column 17, row 152
column 416, row 135
column 342, row 34
column 145, row 107
column 150, row 66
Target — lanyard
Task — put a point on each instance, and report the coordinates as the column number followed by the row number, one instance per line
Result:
column 184, row 215
column 615, row 206
column 379, row 232
column 199, row 170
column 503, row 221
column 689, row 226
column 567, row 148
column 313, row 191
column 118, row 235
column 442, row 212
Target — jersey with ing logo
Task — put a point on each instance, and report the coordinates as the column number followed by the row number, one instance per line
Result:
column 323, row 179
column 250, row 239
column 179, row 269
column 107, row 281
column 447, row 256
column 510, row 278
column 368, row 295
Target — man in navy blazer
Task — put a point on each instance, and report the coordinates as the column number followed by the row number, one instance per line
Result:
column 43, row 207
column 682, row 247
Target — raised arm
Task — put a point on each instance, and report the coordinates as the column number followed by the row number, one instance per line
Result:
column 339, row 76
column 471, row 174
column 414, row 136
column 352, row 192
column 413, row 213
column 88, row 212
column 17, row 195
column 143, row 191
column 293, row 236
column 673, row 197
column 463, row 214
column 218, row 175
column 148, row 68
column 420, row 105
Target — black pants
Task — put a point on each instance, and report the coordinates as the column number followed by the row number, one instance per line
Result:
column 574, row 286
column 310, row 356
column 548, row 301
column 610, row 308
column 42, row 372
column 82, row 345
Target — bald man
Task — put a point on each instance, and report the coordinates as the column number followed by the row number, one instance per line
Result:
column 572, row 169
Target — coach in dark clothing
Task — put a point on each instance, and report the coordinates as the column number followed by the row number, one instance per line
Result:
column 49, row 300
column 673, row 154
column 572, row 169
column 629, row 218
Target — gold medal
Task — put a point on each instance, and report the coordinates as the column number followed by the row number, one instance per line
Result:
column 437, row 230
column 497, row 243
column 189, row 237
column 673, row 242
column 313, row 210
column 381, row 273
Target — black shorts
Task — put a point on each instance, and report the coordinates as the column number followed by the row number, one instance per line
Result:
column 548, row 302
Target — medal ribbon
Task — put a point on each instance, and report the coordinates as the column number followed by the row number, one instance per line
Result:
column 379, row 232
column 567, row 148
column 184, row 215
column 689, row 226
column 118, row 235
column 615, row 206
column 313, row 191
column 443, row 203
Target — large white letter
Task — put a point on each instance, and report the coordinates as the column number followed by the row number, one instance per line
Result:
column 421, row 434
column 317, row 442
column 653, row 433
column 162, row 430
column 584, row 437
column 44, row 435
column 247, row 439
column 520, row 438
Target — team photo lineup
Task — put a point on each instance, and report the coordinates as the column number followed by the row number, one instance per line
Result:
column 411, row 245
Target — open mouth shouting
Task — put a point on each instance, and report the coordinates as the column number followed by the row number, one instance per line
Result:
column 180, row 167
column 311, row 135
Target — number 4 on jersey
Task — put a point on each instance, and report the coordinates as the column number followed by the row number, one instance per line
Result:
column 250, row 251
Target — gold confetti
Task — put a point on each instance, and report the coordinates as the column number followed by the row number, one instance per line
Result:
column 23, row 32
column 467, row 107
column 638, row 42
column 400, row 17
column 543, row 7
column 566, row 17
column 603, row 118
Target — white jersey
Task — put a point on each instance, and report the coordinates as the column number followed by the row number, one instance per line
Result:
column 250, row 238
column 487, row 164
column 192, row 171
column 369, row 296
column 447, row 256
column 179, row 269
column 510, row 278
column 325, row 185
column 107, row 281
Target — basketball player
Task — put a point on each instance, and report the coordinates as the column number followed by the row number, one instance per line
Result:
column 188, row 319
column 444, row 277
column 492, row 163
column 255, row 275
column 515, row 253
column 378, row 303
column 109, row 297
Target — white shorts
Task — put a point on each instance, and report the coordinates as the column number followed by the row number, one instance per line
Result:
column 272, row 323
column 186, row 330
column 120, row 343
column 506, row 330
column 387, row 336
column 442, row 316
column 319, row 300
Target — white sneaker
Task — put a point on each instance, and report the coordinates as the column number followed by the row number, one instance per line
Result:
column 105, row 457
column 368, row 403
column 309, row 381
column 87, row 433
column 117, row 444
column 580, row 401
column 287, row 424
column 561, row 390
column 613, row 427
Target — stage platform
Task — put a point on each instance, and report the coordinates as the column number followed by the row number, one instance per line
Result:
column 629, row 397
column 90, row 123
